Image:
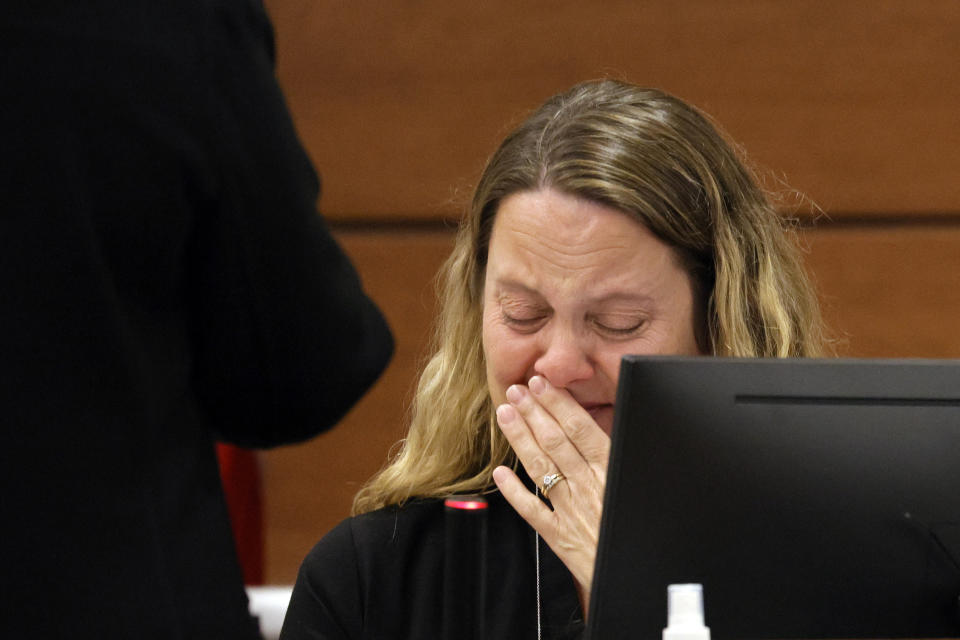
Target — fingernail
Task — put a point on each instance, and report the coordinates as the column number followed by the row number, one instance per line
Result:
column 537, row 384
column 514, row 394
column 505, row 414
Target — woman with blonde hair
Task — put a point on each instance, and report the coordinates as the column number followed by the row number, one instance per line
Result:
column 614, row 220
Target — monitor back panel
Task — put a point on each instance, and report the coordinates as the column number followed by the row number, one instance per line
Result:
column 811, row 498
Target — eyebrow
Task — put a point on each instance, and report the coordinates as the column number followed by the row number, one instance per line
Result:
column 508, row 283
column 615, row 296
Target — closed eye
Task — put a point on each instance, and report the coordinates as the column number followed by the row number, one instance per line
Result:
column 523, row 313
column 619, row 327
column 525, row 323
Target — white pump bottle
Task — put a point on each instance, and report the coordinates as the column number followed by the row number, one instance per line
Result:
column 685, row 613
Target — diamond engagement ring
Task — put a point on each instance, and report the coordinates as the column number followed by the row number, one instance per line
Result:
column 549, row 481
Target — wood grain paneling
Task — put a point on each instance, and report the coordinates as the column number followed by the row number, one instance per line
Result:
column 855, row 103
column 890, row 291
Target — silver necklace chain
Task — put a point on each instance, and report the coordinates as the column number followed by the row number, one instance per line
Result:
column 536, row 557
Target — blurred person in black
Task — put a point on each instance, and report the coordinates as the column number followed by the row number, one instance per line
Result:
column 165, row 282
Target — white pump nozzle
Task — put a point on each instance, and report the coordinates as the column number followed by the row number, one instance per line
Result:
column 685, row 613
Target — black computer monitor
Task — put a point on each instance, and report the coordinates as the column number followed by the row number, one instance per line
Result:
column 811, row 498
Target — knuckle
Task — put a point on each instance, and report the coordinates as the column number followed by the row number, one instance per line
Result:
column 553, row 440
column 539, row 465
column 576, row 425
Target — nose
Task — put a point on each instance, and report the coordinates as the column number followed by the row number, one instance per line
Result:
column 564, row 358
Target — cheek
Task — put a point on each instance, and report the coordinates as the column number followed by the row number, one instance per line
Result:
column 682, row 340
column 509, row 359
column 608, row 362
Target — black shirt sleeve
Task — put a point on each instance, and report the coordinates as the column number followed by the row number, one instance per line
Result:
column 286, row 339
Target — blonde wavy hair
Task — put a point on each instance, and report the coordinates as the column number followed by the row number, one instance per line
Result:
column 657, row 159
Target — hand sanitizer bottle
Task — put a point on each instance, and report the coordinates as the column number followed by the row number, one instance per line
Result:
column 685, row 613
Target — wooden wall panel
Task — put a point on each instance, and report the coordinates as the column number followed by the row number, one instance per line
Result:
column 855, row 103
column 891, row 291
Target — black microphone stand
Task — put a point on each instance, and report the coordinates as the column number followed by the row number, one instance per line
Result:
column 465, row 568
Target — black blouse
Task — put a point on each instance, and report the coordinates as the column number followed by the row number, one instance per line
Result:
column 380, row 575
